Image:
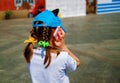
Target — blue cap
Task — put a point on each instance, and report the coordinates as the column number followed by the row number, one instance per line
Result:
column 48, row 19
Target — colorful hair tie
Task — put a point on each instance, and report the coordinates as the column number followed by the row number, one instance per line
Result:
column 43, row 44
column 31, row 40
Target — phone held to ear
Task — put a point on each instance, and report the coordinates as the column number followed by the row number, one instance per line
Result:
column 57, row 31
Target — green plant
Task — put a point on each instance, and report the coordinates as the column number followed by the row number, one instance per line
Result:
column 8, row 13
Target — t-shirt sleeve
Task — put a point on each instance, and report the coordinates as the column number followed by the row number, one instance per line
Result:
column 70, row 63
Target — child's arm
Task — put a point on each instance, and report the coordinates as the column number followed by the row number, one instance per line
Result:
column 64, row 48
column 61, row 45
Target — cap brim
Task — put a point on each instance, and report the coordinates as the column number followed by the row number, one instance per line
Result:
column 64, row 29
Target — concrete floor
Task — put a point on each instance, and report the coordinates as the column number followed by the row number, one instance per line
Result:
column 95, row 39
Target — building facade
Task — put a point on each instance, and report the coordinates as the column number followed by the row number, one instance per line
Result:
column 67, row 8
column 18, row 4
column 107, row 6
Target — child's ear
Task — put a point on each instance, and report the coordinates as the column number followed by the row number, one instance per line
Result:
column 55, row 12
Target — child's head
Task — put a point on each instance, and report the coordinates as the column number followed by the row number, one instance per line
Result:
column 44, row 25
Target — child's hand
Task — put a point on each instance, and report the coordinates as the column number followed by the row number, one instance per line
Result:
column 60, row 42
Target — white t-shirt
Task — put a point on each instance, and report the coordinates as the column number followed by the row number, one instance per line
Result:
column 55, row 72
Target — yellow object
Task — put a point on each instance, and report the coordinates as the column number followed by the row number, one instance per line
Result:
column 31, row 40
column 59, row 15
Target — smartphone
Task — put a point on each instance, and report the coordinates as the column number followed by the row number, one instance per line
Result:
column 55, row 35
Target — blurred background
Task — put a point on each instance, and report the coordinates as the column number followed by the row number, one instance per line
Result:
column 68, row 8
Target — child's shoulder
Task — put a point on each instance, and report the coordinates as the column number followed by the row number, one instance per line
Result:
column 63, row 54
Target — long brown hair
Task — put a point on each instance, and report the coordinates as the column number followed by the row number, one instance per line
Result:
column 45, row 34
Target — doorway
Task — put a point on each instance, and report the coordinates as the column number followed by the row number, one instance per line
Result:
column 91, row 6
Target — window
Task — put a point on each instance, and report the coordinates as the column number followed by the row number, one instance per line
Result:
column 31, row 2
column 24, row 0
column 19, row 2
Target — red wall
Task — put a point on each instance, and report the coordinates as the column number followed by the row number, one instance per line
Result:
column 7, row 5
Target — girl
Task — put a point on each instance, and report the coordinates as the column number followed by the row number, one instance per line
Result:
column 49, row 58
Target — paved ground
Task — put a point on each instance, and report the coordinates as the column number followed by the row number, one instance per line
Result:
column 95, row 39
